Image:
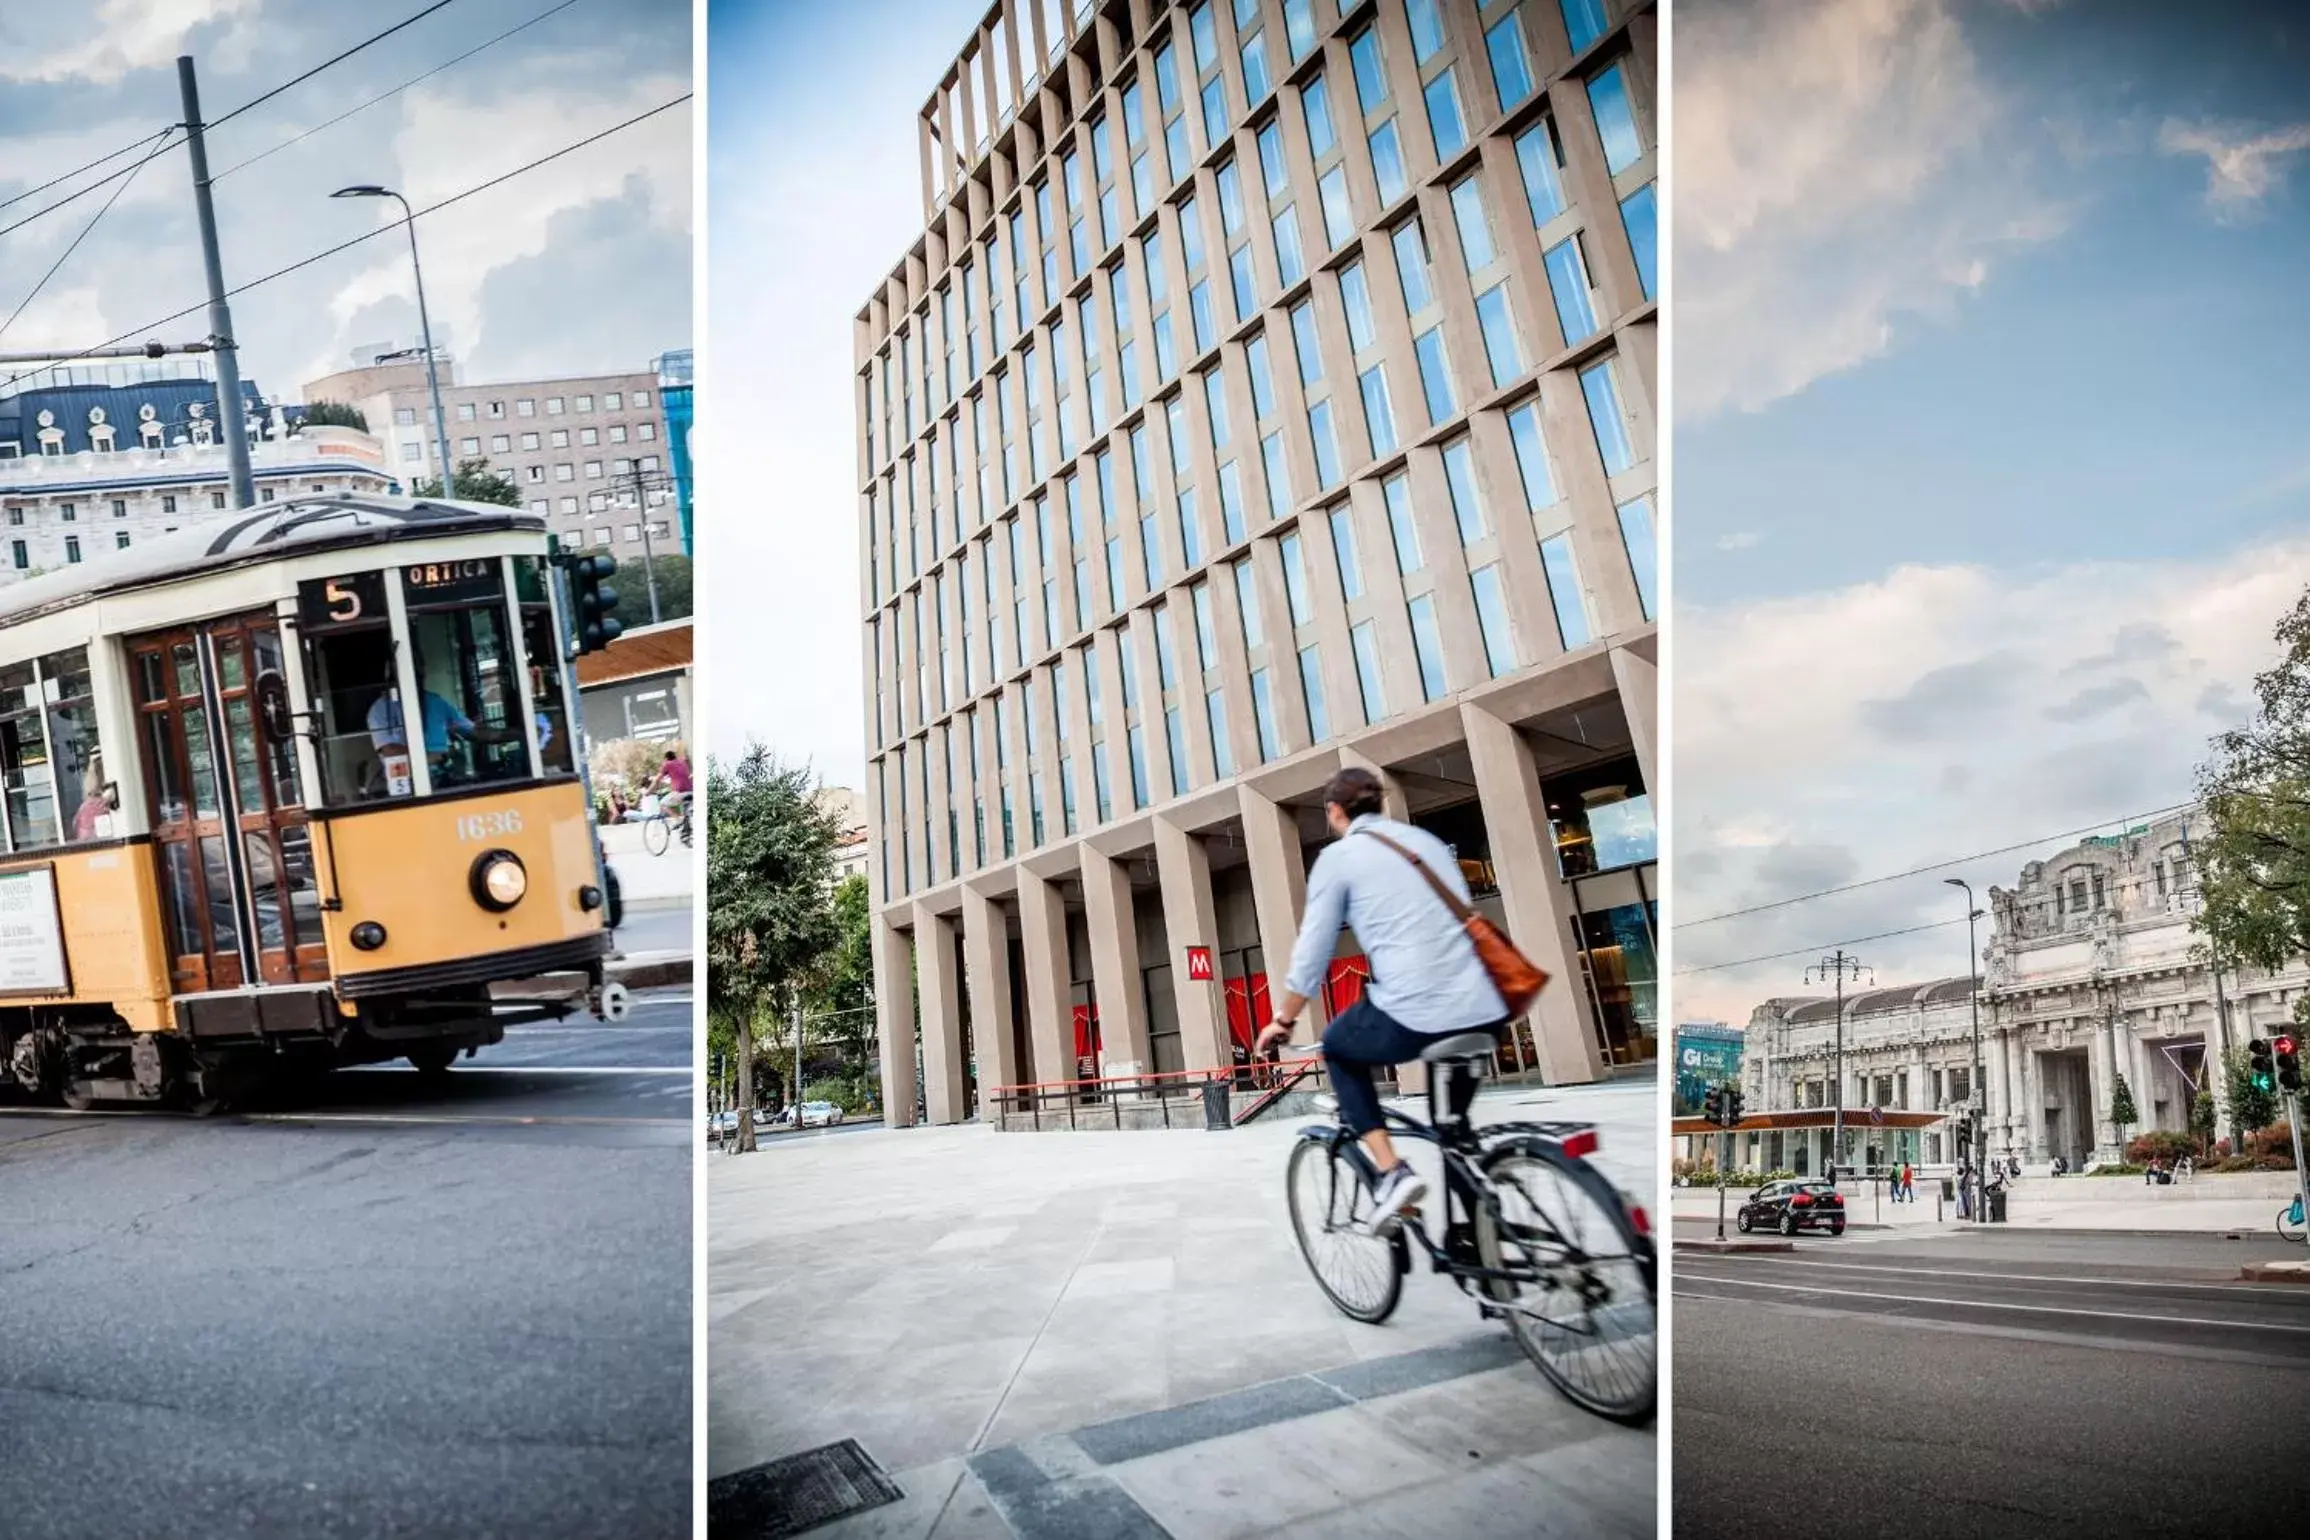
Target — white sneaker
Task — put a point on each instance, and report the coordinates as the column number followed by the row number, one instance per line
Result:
column 1390, row 1194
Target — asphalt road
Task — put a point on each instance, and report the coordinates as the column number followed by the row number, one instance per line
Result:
column 1988, row 1384
column 367, row 1306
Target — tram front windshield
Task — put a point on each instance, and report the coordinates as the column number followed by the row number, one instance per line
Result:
column 468, row 721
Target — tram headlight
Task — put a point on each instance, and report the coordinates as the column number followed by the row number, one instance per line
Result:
column 368, row 935
column 499, row 880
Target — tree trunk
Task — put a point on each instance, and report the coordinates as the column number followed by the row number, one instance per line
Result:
column 745, row 1083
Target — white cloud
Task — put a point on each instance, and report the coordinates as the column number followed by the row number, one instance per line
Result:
column 1739, row 540
column 61, row 318
column 1881, row 184
column 446, row 144
column 2243, row 166
column 124, row 36
column 1932, row 713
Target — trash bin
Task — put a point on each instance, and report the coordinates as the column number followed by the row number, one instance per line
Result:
column 1997, row 1205
column 1949, row 1189
column 1215, row 1114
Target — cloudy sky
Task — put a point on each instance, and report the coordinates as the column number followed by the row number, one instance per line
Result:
column 1990, row 465
column 582, row 266
column 814, row 184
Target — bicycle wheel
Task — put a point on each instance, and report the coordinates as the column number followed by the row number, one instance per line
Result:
column 1581, row 1303
column 655, row 834
column 1330, row 1214
column 2290, row 1226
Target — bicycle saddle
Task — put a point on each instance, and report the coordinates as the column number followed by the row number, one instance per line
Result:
column 1461, row 1045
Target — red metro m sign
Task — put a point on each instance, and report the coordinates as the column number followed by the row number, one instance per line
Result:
column 1199, row 963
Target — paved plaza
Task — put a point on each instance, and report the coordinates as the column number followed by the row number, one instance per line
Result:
column 1113, row 1333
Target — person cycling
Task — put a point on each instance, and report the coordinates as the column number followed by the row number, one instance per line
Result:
column 1426, row 980
column 673, row 788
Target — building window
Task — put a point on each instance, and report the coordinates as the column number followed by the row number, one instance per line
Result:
column 1602, row 390
column 585, row 403
column 1640, row 219
column 1365, row 643
column 1435, row 375
column 1311, row 688
column 405, row 416
column 465, row 411
column 23, row 557
column 1511, row 69
column 1215, row 711
column 120, row 539
column 1371, row 75
column 525, row 407
column 120, row 507
column 1643, row 548
column 168, row 502
column 68, row 512
column 71, row 548
column 469, row 446
column 1565, row 592
column 1541, row 159
column 1615, row 120
column 1343, row 545
column 1427, row 645
column 1397, row 491
column 1492, row 618
column 1583, row 21
column 1444, row 118
column 1388, row 162
column 1379, row 411
column 1460, row 480
column 1498, row 323
column 1568, row 285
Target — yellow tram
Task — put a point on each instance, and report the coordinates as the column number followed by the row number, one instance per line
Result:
column 228, row 842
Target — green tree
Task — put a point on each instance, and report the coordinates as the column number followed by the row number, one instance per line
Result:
column 2202, row 1118
column 335, row 414
column 848, row 988
column 473, row 482
column 2252, row 1106
column 2122, row 1111
column 672, row 573
column 771, row 930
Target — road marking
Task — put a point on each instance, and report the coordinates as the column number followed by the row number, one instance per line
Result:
column 1991, row 1304
column 2121, row 1283
column 474, row 1119
column 525, row 1069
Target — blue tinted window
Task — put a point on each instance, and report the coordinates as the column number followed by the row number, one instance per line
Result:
column 1615, row 120
column 1640, row 218
column 1564, row 591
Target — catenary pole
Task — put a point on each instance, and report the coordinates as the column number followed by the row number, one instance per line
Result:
column 231, row 410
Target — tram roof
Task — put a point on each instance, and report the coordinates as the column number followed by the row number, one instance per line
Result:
column 296, row 526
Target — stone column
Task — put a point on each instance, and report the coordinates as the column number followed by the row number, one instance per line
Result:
column 1278, row 895
column 1043, row 939
column 894, row 1019
column 2102, row 1087
column 1532, row 895
column 1191, row 918
column 987, row 975
column 1639, row 703
column 1114, row 961
column 942, row 1038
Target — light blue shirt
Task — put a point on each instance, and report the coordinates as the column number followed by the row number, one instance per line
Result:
column 439, row 719
column 1425, row 972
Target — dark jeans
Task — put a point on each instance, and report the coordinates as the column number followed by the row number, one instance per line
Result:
column 1363, row 1038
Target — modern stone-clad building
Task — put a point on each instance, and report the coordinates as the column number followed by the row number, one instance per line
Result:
column 2092, row 970
column 1271, row 390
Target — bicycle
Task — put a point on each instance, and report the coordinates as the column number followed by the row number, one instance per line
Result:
column 2290, row 1226
column 1515, row 1254
column 658, row 831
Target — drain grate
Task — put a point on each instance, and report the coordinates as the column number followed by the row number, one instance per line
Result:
column 799, row 1492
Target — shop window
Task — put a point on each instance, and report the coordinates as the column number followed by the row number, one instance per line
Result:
column 1601, row 818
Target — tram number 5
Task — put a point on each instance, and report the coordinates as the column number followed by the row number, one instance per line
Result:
column 344, row 601
column 487, row 826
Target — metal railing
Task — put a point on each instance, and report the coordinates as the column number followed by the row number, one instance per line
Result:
column 1098, row 1100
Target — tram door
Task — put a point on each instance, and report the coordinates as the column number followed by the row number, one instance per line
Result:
column 228, row 815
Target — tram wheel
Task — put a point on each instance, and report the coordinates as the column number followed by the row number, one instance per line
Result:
column 433, row 1061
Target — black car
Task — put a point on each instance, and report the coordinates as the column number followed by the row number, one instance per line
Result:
column 1792, row 1206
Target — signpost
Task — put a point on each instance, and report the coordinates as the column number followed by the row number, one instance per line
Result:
column 1199, row 964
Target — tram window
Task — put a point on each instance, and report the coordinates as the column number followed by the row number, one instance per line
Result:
column 25, row 771
column 541, row 648
column 472, row 700
column 50, row 755
column 349, row 652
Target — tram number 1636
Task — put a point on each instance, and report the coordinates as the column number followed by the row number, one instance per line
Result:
column 488, row 826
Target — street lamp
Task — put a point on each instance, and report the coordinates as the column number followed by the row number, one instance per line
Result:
column 424, row 321
column 1977, row 1088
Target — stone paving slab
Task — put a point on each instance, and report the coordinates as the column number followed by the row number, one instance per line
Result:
column 857, row 1289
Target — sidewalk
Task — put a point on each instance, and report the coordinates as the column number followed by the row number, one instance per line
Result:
column 1116, row 1329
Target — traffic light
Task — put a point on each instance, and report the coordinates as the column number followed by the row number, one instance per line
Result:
column 1712, row 1104
column 1732, row 1106
column 2289, row 1066
column 2261, row 1068
column 593, row 601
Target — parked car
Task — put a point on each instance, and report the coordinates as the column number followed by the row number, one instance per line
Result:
column 721, row 1124
column 814, row 1115
column 1804, row 1204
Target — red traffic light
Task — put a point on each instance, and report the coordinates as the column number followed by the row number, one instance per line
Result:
column 2282, row 1046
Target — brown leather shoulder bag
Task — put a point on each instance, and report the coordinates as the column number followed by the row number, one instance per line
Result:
column 1517, row 978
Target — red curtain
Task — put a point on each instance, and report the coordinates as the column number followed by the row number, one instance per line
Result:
column 1345, row 985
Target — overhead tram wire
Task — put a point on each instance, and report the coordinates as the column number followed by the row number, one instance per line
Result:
column 1803, row 951
column 329, row 63
column 308, row 261
column 395, row 91
column 129, row 180
column 1920, row 871
column 81, row 192
column 54, row 181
